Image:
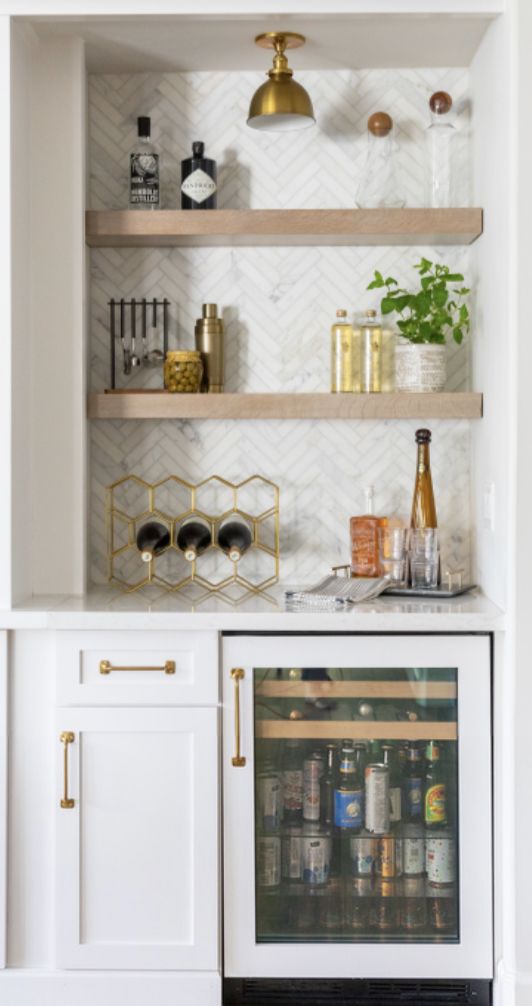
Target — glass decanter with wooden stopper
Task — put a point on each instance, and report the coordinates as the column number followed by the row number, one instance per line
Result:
column 364, row 531
column 423, row 506
column 379, row 185
column 440, row 149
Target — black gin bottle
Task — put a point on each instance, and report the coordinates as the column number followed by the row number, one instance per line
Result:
column 198, row 181
column 144, row 170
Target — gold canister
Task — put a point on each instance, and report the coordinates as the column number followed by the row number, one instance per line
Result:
column 209, row 336
column 183, row 371
column 370, row 352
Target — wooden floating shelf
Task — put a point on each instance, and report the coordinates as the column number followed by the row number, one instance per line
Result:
column 355, row 730
column 132, row 228
column 357, row 689
column 164, row 405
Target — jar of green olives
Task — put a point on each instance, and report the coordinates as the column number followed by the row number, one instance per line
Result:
column 183, row 371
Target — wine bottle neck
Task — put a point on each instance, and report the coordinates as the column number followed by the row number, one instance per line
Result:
column 423, row 458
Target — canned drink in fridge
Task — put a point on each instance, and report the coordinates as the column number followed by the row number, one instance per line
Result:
column 396, row 802
column 377, row 779
column 269, row 861
column 398, row 855
column 316, row 855
column 362, row 887
column 363, row 854
column 386, row 857
column 413, row 887
column 312, row 773
column 330, row 908
column 413, row 841
column 269, row 800
column 440, row 858
column 291, row 854
column 385, row 911
column 358, row 904
column 441, row 908
column 413, row 904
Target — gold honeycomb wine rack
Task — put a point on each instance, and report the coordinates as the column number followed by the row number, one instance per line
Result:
column 132, row 502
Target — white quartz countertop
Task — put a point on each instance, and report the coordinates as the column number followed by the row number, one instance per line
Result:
column 108, row 609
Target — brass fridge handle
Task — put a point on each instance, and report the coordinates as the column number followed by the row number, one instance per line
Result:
column 238, row 761
column 106, row 667
column 66, row 738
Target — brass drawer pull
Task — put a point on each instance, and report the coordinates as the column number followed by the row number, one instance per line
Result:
column 106, row 667
column 238, row 760
column 66, row 738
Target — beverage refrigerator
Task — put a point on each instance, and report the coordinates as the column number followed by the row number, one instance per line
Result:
column 357, row 818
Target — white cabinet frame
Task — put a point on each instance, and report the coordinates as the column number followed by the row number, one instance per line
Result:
column 472, row 957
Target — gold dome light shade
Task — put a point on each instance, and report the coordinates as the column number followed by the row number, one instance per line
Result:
column 281, row 103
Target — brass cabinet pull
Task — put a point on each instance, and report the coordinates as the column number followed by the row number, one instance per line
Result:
column 238, row 760
column 106, row 667
column 66, row 738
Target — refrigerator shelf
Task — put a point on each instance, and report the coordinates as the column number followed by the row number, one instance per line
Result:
column 425, row 730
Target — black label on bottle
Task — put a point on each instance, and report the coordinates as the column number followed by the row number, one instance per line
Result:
column 144, row 179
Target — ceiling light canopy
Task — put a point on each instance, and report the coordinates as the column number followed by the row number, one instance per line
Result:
column 281, row 103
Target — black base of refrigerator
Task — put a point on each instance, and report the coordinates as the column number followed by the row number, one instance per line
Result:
column 354, row 992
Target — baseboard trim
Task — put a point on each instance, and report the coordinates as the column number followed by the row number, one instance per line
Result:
column 108, row 988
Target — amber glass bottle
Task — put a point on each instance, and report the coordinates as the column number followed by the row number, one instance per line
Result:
column 423, row 506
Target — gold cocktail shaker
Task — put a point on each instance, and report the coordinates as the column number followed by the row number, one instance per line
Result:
column 209, row 336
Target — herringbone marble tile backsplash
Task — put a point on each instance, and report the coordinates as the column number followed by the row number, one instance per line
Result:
column 278, row 303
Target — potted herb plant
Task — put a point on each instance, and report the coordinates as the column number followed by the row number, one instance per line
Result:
column 426, row 318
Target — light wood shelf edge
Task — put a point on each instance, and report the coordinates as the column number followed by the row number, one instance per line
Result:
column 161, row 405
column 355, row 730
column 408, row 226
column 357, row 689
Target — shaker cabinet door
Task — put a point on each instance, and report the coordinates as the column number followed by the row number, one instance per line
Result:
column 137, row 846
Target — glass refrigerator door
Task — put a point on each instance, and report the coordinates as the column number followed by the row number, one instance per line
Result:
column 363, row 771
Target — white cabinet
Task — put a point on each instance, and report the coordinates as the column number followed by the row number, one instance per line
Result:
column 137, row 841
column 309, row 919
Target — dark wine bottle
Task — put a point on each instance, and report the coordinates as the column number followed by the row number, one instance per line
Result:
column 152, row 539
column 193, row 537
column 234, row 537
column 198, row 181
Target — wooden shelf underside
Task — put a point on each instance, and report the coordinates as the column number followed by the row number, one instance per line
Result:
column 134, row 228
column 356, row 730
column 163, row 405
column 357, row 689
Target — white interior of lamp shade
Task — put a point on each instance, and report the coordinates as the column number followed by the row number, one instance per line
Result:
column 280, row 123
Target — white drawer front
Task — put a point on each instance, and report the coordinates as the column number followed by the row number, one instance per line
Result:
column 137, row 668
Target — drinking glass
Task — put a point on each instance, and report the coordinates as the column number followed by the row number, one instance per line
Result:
column 424, row 572
column 393, row 554
column 424, row 542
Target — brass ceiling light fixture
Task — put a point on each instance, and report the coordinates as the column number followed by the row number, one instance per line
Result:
column 281, row 103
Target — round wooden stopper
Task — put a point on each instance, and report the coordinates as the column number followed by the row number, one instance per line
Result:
column 440, row 102
column 380, row 123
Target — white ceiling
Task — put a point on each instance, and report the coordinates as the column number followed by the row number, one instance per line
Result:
column 138, row 44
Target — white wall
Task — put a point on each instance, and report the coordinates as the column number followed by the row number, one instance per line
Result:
column 492, row 341
column 24, row 46
column 5, row 314
column 57, row 304
column 522, row 539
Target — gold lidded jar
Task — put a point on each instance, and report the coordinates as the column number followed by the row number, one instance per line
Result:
column 371, row 342
column 345, row 355
column 183, row 371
